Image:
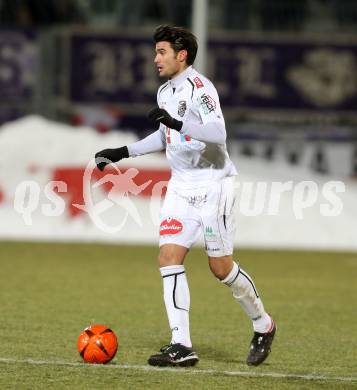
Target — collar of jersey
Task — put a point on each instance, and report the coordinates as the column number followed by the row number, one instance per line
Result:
column 178, row 80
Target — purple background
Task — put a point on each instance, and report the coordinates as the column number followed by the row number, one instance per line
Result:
column 224, row 65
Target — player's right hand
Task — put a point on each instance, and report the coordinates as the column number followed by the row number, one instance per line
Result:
column 158, row 114
column 107, row 156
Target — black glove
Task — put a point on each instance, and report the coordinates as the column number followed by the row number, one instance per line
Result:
column 113, row 155
column 160, row 115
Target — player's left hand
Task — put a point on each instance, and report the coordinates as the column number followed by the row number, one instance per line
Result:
column 160, row 115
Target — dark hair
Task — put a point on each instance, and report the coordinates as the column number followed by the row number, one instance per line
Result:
column 179, row 38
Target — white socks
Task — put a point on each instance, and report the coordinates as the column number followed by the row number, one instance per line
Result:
column 244, row 291
column 177, row 302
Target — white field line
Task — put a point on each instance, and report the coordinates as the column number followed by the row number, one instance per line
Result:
column 250, row 374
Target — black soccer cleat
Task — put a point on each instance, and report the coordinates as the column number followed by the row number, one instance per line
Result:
column 174, row 355
column 260, row 347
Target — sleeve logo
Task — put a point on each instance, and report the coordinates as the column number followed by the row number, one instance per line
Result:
column 198, row 82
column 207, row 103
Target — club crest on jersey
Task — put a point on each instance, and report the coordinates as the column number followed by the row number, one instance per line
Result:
column 207, row 103
column 198, row 82
column 182, row 108
column 170, row 226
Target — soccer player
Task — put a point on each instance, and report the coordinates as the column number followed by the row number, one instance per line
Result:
column 200, row 195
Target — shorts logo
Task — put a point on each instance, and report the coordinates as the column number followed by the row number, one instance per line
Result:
column 210, row 236
column 197, row 200
column 207, row 103
column 213, row 249
column 170, row 226
column 198, row 82
column 182, row 108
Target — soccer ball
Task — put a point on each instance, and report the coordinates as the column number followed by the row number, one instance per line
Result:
column 97, row 344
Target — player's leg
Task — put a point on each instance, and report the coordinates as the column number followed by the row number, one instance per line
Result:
column 177, row 234
column 246, row 294
column 176, row 292
column 219, row 230
column 177, row 302
column 243, row 290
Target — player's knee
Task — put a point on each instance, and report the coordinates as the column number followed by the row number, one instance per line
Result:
column 171, row 255
column 165, row 259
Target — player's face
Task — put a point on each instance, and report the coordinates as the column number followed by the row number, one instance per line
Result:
column 168, row 62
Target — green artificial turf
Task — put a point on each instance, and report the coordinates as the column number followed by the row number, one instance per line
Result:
column 50, row 292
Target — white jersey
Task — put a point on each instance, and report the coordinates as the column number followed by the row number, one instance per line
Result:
column 193, row 99
column 197, row 154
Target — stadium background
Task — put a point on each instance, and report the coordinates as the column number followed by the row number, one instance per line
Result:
column 78, row 76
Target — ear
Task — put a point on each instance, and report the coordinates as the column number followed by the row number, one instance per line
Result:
column 182, row 55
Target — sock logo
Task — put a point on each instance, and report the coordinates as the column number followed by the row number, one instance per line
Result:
column 170, row 226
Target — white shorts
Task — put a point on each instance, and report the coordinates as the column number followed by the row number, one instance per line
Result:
column 187, row 214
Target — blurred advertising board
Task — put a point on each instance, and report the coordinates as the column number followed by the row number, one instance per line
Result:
column 248, row 73
column 18, row 64
column 19, row 60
